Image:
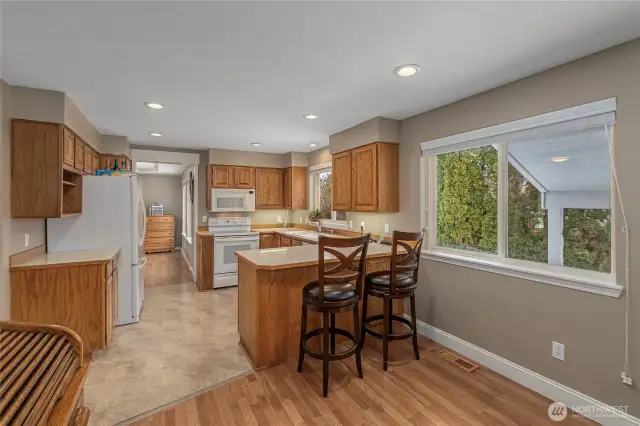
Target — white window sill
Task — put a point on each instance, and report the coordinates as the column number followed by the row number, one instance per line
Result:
column 591, row 284
column 189, row 240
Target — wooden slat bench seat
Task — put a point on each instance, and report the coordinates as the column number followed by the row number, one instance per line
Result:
column 42, row 372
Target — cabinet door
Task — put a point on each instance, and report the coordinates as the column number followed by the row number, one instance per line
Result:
column 88, row 160
column 341, row 185
column 114, row 297
column 285, row 241
column 244, row 177
column 287, row 187
column 266, row 241
column 296, row 242
column 221, row 177
column 268, row 188
column 79, row 159
column 276, row 241
column 96, row 163
column 364, row 195
column 69, row 148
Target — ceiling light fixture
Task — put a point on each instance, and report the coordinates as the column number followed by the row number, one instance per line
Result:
column 256, row 144
column 156, row 134
column 312, row 144
column 153, row 105
column 559, row 159
column 406, row 70
column 310, row 116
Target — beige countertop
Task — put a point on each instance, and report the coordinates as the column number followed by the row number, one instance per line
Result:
column 66, row 258
column 294, row 257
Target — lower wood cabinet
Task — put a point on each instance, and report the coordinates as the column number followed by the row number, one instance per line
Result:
column 204, row 254
column 267, row 241
column 285, row 241
column 160, row 234
column 79, row 295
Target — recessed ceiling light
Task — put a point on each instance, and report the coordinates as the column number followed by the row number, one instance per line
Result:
column 406, row 70
column 153, row 105
column 310, row 116
column 559, row 159
column 255, row 144
column 156, row 134
column 313, row 144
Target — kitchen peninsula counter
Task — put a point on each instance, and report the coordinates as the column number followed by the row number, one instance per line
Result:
column 270, row 284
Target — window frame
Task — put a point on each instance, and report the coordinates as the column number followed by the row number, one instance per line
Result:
column 563, row 276
column 187, row 212
column 314, row 190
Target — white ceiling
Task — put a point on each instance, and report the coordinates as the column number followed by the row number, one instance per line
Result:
column 234, row 73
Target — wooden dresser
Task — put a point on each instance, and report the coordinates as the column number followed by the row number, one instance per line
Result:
column 160, row 234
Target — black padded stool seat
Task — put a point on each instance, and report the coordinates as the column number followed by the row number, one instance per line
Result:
column 338, row 289
column 332, row 292
column 382, row 279
column 398, row 283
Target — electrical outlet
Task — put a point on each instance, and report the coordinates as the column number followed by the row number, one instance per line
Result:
column 362, row 225
column 626, row 379
column 204, row 219
column 350, row 225
column 26, row 240
column 301, row 219
column 386, row 228
column 557, row 351
column 279, row 219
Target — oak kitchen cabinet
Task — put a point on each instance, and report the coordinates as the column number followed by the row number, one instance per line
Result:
column 221, row 176
column 77, row 289
column 341, row 185
column 232, row 177
column 244, row 177
column 45, row 182
column 269, row 188
column 367, row 178
column 267, row 241
column 295, row 187
column 109, row 161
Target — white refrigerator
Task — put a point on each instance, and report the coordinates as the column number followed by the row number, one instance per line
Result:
column 113, row 216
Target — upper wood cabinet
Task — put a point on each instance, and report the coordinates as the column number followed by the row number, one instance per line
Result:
column 111, row 161
column 221, row 176
column 88, row 160
column 69, row 148
column 366, row 178
column 269, row 188
column 96, row 162
column 341, row 181
column 244, row 177
column 79, row 159
column 295, row 187
column 43, row 183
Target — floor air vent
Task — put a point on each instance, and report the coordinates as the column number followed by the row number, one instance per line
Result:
column 455, row 359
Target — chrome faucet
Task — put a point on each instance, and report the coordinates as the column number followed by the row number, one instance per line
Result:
column 317, row 224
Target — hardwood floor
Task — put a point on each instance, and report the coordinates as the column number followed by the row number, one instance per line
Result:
column 166, row 269
column 431, row 391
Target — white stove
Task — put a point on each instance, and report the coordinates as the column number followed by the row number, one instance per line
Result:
column 230, row 234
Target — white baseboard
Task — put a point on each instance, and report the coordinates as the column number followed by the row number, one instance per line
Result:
column 186, row 259
column 530, row 379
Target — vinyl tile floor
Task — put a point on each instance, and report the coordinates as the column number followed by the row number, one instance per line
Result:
column 186, row 341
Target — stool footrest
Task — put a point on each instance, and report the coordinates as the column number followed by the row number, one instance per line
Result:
column 332, row 357
column 392, row 336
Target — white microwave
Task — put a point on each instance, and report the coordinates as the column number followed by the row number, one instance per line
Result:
column 233, row 200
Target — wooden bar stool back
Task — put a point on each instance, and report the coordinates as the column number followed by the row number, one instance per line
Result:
column 338, row 289
column 399, row 282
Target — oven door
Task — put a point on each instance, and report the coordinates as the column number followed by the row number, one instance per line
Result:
column 225, row 260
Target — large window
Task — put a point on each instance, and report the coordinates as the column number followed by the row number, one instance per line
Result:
column 320, row 189
column 538, row 195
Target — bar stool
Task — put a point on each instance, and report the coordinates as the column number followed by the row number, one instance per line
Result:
column 398, row 283
column 338, row 289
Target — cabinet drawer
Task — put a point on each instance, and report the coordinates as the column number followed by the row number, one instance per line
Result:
column 153, row 233
column 158, row 241
column 285, row 242
column 159, row 219
column 160, row 226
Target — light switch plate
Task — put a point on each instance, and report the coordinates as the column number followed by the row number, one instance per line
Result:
column 204, row 219
column 386, row 228
column 557, row 351
column 26, row 240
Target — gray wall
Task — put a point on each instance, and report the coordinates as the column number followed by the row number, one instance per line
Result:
column 378, row 129
column 518, row 319
column 320, row 156
column 246, row 158
column 12, row 230
column 165, row 190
